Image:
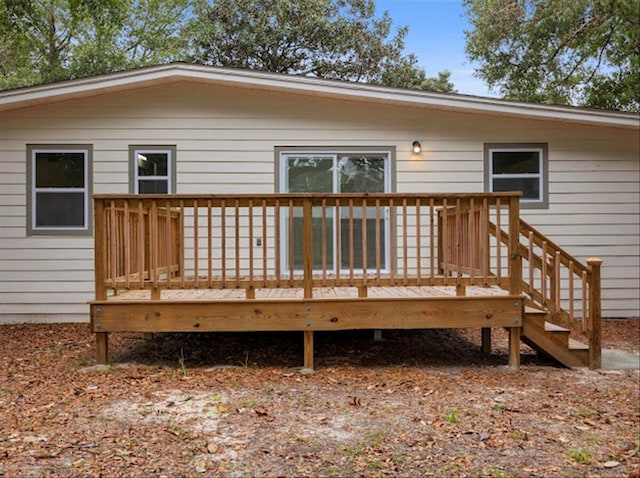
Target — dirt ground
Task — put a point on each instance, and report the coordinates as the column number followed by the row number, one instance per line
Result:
column 419, row 403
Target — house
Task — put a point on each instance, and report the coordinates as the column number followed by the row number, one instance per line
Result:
column 189, row 129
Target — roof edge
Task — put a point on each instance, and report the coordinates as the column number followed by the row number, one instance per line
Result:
column 146, row 76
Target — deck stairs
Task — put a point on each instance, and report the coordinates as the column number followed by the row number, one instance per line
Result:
column 553, row 340
column 562, row 312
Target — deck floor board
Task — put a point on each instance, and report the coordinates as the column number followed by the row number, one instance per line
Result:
column 294, row 293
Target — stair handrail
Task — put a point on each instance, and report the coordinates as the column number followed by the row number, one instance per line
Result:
column 549, row 265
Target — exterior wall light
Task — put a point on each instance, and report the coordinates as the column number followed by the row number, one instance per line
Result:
column 416, row 147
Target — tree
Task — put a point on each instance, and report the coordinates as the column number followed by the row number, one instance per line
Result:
column 49, row 40
column 583, row 52
column 334, row 39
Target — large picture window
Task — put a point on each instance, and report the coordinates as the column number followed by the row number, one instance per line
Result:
column 59, row 180
column 152, row 169
column 518, row 167
column 337, row 172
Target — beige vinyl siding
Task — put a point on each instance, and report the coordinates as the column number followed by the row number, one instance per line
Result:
column 225, row 140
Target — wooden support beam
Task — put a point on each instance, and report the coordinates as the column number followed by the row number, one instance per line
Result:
column 514, row 347
column 102, row 347
column 304, row 314
column 486, row 340
column 308, row 349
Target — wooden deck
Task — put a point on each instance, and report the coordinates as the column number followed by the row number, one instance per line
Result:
column 330, row 262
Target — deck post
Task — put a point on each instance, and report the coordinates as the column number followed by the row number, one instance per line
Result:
column 486, row 340
column 514, row 347
column 595, row 314
column 307, row 254
column 100, row 252
column 102, row 347
column 515, row 275
column 308, row 349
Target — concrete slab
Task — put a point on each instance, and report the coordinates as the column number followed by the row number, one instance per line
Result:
column 619, row 360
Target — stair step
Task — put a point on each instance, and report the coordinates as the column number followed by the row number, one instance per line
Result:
column 554, row 340
column 575, row 345
column 549, row 327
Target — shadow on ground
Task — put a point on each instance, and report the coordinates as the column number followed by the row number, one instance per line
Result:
column 433, row 347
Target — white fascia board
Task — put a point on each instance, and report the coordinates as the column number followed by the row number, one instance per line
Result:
column 305, row 85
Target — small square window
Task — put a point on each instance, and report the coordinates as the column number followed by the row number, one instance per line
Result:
column 518, row 167
column 59, row 179
column 152, row 169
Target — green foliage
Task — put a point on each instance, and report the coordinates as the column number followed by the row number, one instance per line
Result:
column 334, row 39
column 583, row 52
column 49, row 40
column 452, row 417
column 182, row 363
column 580, row 455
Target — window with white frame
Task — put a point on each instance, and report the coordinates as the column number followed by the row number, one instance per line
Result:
column 518, row 167
column 59, row 182
column 337, row 171
column 152, row 169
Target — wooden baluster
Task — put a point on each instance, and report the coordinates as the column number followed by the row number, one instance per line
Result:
column 364, row 242
column 486, row 241
column 223, row 242
column 351, row 242
column 459, row 238
column 393, row 253
column 277, row 241
column 153, row 239
column 557, row 280
column 127, row 246
column 543, row 285
column 209, row 244
column 251, row 245
column 471, row 240
column 585, row 323
column 378, row 244
column 169, row 244
column 498, row 241
column 405, row 246
column 291, row 243
column 142, row 243
column 265, row 270
column 237, row 241
column 571, row 292
column 418, row 244
column 338, row 238
column 323, row 238
column 531, row 261
column 432, row 245
column 445, row 240
column 113, row 245
column 196, row 233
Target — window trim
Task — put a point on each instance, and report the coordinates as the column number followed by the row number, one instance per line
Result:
column 281, row 174
column 543, row 176
column 135, row 149
column 32, row 228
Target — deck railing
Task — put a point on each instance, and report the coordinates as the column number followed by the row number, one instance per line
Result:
column 560, row 285
column 304, row 241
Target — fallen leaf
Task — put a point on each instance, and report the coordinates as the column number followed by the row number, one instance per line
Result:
column 212, row 447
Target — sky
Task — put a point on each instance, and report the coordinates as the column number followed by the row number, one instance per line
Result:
column 436, row 37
